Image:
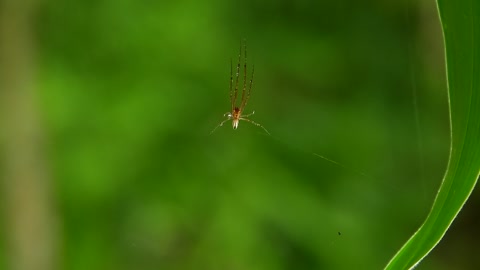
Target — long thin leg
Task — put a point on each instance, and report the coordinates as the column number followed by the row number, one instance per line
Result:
column 236, row 80
column 249, row 88
column 242, row 105
column 219, row 125
column 232, row 101
column 248, row 115
column 254, row 123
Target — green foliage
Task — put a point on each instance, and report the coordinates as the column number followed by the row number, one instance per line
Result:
column 130, row 91
column 461, row 27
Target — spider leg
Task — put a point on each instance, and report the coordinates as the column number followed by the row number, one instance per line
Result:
column 250, row 114
column 219, row 125
column 254, row 123
column 242, row 105
column 232, row 100
column 244, row 102
column 235, row 93
column 251, row 84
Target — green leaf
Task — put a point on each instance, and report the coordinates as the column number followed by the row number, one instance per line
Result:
column 461, row 28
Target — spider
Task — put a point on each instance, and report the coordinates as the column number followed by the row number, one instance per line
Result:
column 236, row 112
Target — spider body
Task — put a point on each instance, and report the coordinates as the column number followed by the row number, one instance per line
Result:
column 236, row 111
column 235, row 117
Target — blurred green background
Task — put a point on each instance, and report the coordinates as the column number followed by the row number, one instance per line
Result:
column 128, row 92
